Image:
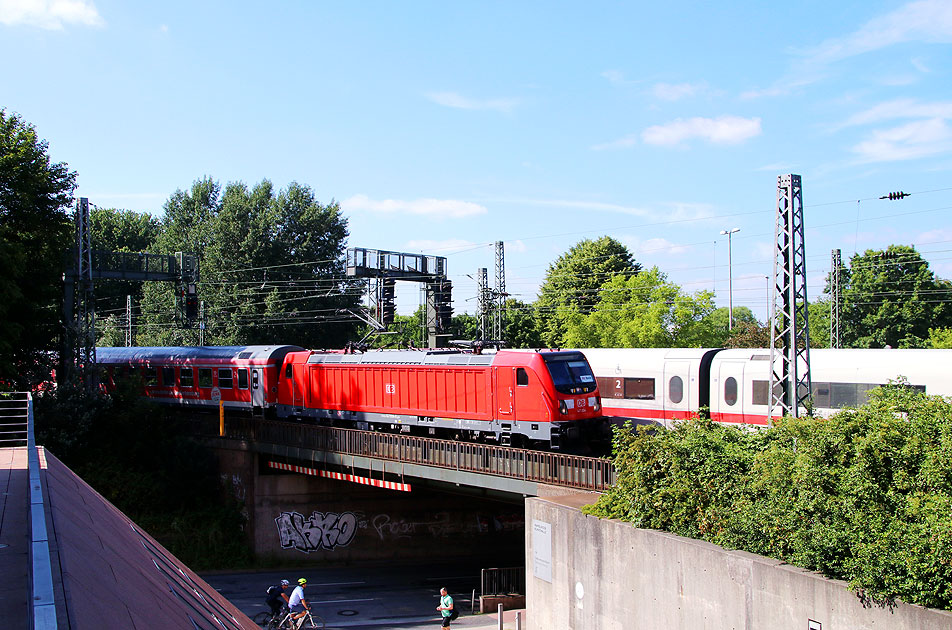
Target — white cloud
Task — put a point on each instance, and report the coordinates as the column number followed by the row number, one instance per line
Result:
column 721, row 130
column 441, row 208
column 448, row 246
column 622, row 143
column 899, row 109
column 907, row 142
column 675, row 92
column 655, row 247
column 778, row 167
column 458, row 101
column 615, row 77
column 926, row 21
column 49, row 14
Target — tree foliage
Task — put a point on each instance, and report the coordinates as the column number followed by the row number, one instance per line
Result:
column 643, row 311
column 271, row 265
column 720, row 328
column 940, row 338
column 573, row 282
column 864, row 496
column 35, row 229
column 892, row 298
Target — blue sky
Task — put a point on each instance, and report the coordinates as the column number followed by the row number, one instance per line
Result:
column 444, row 127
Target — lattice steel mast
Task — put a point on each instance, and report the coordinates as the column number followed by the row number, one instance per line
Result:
column 836, row 298
column 499, row 321
column 790, row 385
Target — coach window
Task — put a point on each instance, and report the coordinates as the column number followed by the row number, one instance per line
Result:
column 204, row 377
column 186, row 377
column 522, row 377
column 675, row 389
column 224, row 378
column 243, row 378
column 151, row 375
column 168, row 376
column 730, row 391
column 639, row 388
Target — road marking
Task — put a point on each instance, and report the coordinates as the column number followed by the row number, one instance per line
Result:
column 345, row 601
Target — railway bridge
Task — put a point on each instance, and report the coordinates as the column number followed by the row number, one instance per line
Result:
column 319, row 493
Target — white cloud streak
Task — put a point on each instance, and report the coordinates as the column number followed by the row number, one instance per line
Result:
column 49, row 14
column 921, row 138
column 438, row 208
column 899, row 109
column 622, row 143
column 458, row 101
column 926, row 21
column 721, row 130
column 676, row 91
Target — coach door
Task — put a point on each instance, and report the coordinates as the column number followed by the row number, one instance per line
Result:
column 257, row 388
column 729, row 393
column 676, row 391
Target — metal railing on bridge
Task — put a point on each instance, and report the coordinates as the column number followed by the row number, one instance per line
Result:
column 559, row 469
column 14, row 418
column 505, row 581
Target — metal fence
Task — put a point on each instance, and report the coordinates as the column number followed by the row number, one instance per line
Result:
column 14, row 418
column 560, row 469
column 507, row 581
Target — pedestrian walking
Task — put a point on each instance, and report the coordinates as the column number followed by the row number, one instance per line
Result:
column 447, row 608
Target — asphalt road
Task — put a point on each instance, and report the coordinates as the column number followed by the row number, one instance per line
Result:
column 385, row 597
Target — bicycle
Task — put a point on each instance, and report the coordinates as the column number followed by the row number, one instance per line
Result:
column 266, row 619
column 311, row 622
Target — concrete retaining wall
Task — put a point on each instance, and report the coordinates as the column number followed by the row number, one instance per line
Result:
column 295, row 518
column 583, row 573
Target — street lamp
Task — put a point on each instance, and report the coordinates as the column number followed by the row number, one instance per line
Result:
column 730, row 280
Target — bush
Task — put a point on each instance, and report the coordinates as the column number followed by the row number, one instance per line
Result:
column 864, row 496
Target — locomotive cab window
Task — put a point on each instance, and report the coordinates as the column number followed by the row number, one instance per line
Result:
column 522, row 377
column 570, row 372
column 289, row 371
column 186, row 377
column 224, row 378
column 243, row 378
column 730, row 391
column 204, row 377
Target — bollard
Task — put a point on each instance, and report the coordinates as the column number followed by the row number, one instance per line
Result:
column 472, row 604
column 221, row 418
column 519, row 620
column 500, row 616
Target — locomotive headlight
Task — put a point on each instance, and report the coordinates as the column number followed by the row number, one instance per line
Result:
column 595, row 402
column 563, row 408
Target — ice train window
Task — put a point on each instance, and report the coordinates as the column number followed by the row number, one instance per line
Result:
column 730, row 391
column 675, row 389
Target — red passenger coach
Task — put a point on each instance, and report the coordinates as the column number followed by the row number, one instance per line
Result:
column 509, row 397
column 241, row 377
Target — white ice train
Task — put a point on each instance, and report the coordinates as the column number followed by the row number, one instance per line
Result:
column 668, row 384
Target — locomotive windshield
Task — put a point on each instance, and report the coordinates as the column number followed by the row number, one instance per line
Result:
column 570, row 372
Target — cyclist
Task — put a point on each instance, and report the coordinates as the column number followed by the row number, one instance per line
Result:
column 277, row 598
column 297, row 603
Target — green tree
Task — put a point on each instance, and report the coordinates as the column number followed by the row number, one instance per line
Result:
column 720, row 325
column 522, row 327
column 892, row 298
column 35, row 229
column 748, row 335
column 940, row 338
column 643, row 311
column 272, row 267
column 819, row 314
column 573, row 282
column 116, row 230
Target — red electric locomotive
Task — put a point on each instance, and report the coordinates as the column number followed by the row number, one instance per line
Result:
column 509, row 397
column 241, row 377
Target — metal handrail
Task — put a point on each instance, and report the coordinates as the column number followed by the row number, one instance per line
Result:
column 561, row 469
column 504, row 581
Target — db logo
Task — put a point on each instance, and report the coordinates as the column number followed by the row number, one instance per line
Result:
column 390, row 388
column 580, row 402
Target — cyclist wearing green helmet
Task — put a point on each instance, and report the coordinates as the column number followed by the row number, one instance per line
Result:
column 297, row 603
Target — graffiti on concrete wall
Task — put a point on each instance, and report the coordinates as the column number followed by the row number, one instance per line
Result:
column 388, row 527
column 321, row 530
